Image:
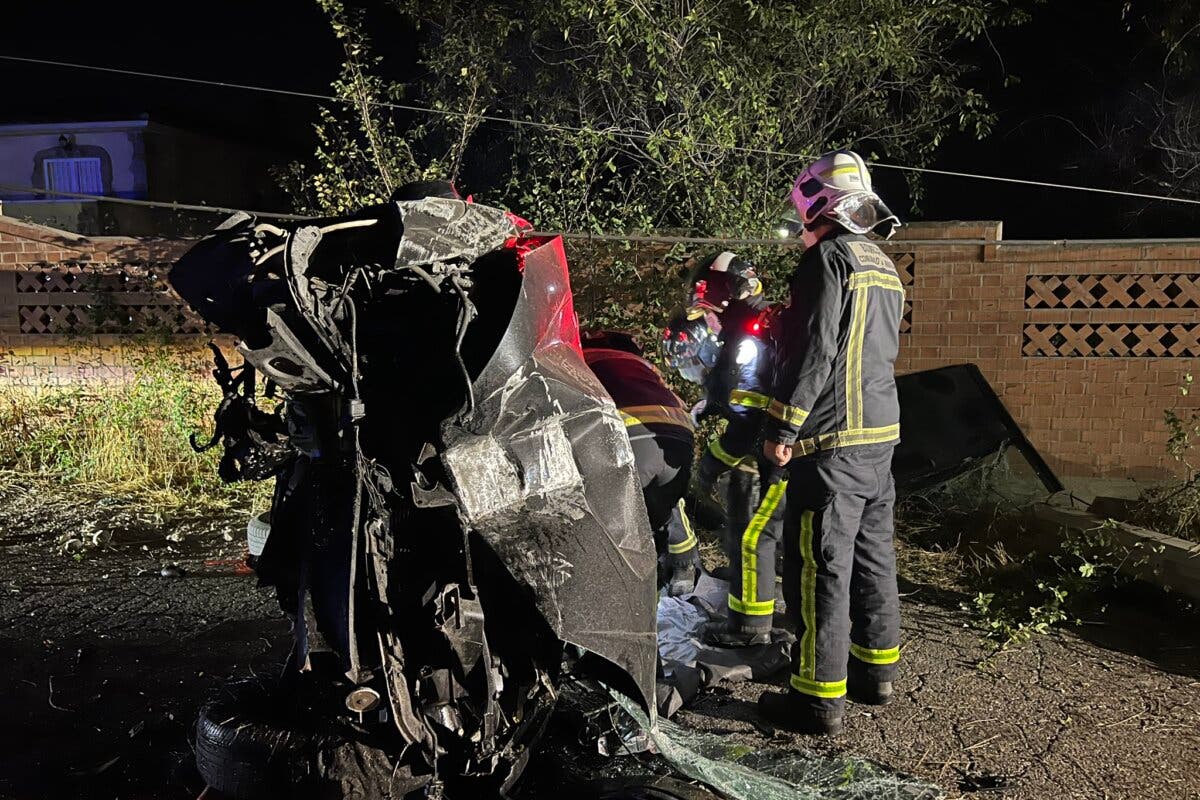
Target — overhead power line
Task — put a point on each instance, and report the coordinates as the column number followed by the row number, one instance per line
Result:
column 1043, row 184
column 128, row 201
column 636, row 237
column 610, row 131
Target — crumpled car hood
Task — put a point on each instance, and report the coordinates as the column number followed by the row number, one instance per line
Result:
column 543, row 470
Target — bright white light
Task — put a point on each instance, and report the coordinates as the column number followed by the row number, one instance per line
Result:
column 747, row 351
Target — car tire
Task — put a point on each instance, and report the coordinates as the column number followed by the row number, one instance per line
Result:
column 241, row 754
column 258, row 528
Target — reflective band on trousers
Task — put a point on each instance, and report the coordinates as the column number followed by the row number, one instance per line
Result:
column 806, row 681
column 824, row 689
column 847, row 438
column 808, row 600
column 789, row 414
column 760, row 608
column 749, row 603
column 656, row 415
column 869, row 656
column 741, row 397
column 720, row 454
column 689, row 541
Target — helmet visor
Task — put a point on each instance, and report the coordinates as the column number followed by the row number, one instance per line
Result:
column 864, row 212
column 691, row 344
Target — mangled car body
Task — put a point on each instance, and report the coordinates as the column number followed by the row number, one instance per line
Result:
column 456, row 506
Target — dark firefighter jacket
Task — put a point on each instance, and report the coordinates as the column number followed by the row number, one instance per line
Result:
column 834, row 382
column 738, row 386
column 640, row 394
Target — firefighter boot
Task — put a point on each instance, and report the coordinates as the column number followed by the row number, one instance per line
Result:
column 864, row 688
column 874, row 694
column 790, row 712
column 681, row 580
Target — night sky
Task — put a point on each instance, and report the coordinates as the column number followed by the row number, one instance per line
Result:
column 1075, row 63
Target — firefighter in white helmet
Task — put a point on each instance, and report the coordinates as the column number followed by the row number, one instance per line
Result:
column 833, row 421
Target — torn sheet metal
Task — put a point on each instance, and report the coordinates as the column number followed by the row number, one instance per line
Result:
column 536, row 473
column 439, row 229
column 544, row 471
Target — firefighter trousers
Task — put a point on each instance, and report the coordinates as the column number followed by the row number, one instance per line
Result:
column 664, row 466
column 840, row 574
column 756, row 505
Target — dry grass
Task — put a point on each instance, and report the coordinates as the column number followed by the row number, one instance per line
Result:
column 123, row 440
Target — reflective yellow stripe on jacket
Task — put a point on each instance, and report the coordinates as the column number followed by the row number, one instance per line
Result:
column 741, row 397
column 871, row 277
column 723, row 455
column 850, row 438
column 859, row 283
column 656, row 415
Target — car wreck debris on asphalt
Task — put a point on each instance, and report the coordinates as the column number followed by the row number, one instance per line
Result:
column 456, row 507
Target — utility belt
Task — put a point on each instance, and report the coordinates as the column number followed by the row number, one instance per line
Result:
column 855, row 437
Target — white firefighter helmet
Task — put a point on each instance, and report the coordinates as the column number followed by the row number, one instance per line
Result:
column 838, row 186
column 719, row 279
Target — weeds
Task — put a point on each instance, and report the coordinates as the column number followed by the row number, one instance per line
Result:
column 1058, row 585
column 971, row 537
column 128, row 439
column 1005, row 629
column 1174, row 508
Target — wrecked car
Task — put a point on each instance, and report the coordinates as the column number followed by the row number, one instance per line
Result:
column 456, row 513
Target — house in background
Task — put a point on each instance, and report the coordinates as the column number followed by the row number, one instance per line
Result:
column 133, row 159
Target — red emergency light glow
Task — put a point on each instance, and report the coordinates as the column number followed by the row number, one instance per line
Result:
column 521, row 243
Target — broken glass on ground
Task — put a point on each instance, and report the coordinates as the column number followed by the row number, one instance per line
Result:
column 741, row 772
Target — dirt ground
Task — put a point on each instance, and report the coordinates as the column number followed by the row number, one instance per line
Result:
column 104, row 661
column 1112, row 715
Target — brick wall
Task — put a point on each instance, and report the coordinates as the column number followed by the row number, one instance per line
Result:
column 1086, row 345
column 71, row 308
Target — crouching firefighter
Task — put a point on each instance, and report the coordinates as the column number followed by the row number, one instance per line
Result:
column 730, row 356
column 661, row 433
column 833, row 421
